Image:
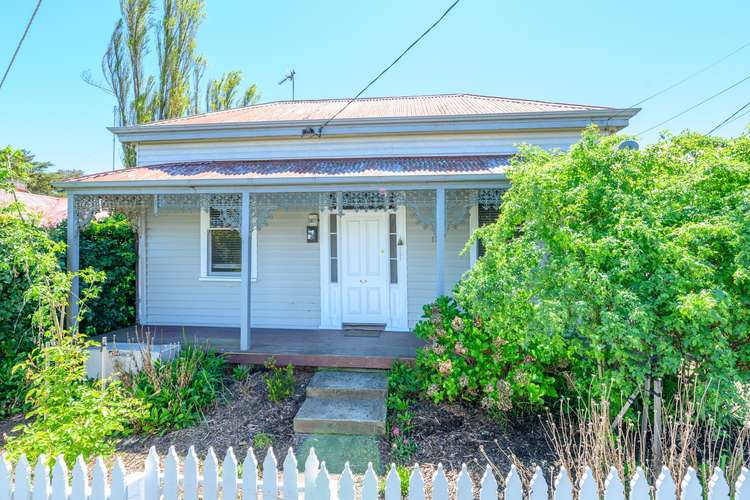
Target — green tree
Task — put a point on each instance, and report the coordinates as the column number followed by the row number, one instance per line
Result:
column 606, row 268
column 175, row 90
column 224, row 93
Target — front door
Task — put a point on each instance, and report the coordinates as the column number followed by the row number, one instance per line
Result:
column 364, row 268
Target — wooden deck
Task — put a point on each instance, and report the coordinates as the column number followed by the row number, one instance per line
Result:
column 327, row 348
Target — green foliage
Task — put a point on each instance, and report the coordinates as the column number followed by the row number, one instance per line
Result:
column 262, row 441
column 176, row 392
column 241, row 372
column 403, row 476
column 68, row 415
column 14, row 167
column 605, row 267
column 403, row 387
column 108, row 245
column 279, row 381
column 27, row 257
column 223, row 93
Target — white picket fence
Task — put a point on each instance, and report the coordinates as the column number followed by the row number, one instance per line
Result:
column 225, row 481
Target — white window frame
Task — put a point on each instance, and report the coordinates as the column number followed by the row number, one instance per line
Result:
column 204, row 270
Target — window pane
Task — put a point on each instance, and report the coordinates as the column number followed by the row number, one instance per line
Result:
column 394, row 271
column 225, row 251
column 333, row 222
column 392, row 223
column 334, row 246
column 392, row 246
column 334, row 270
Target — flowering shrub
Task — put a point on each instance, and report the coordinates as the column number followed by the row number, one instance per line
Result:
column 465, row 360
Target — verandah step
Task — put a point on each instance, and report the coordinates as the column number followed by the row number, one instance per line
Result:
column 322, row 415
column 348, row 385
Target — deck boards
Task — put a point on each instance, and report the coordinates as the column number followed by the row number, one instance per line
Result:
column 330, row 348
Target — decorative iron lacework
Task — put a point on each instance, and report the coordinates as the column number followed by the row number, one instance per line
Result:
column 227, row 207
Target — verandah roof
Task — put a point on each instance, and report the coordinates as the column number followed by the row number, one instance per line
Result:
column 338, row 168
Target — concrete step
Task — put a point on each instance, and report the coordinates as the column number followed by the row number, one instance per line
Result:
column 348, row 385
column 322, row 415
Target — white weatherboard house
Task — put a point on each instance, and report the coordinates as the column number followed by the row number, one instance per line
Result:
column 261, row 233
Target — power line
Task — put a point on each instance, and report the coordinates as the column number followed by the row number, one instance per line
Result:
column 728, row 118
column 738, row 117
column 320, row 129
column 20, row 42
column 685, row 79
column 701, row 103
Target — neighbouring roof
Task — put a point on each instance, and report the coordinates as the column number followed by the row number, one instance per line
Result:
column 339, row 168
column 378, row 107
column 51, row 209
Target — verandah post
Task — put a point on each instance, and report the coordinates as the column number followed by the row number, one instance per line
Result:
column 245, row 282
column 440, row 241
column 73, row 259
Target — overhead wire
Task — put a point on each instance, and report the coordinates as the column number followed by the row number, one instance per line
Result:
column 20, row 42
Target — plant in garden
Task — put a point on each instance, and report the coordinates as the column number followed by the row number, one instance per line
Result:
column 177, row 391
column 605, row 268
column 108, row 245
column 241, row 372
column 402, row 389
column 68, row 415
column 279, row 381
column 262, row 441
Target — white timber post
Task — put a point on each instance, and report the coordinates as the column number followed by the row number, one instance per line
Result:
column 73, row 260
column 246, row 259
column 440, row 241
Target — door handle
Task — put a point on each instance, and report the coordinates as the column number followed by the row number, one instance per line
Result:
column 363, row 281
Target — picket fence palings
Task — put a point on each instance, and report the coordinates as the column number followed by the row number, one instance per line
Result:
column 190, row 475
column 416, row 484
column 80, row 483
column 229, row 476
column 538, row 489
column 250, row 476
column 613, row 487
column 289, row 480
column 691, row 486
column 369, row 484
column 118, row 489
column 392, row 484
column 666, row 489
column 439, row 484
column 488, row 485
column 718, row 489
column 40, row 490
column 346, row 484
column 742, row 485
column 563, row 486
column 513, row 485
column 98, row 481
column 270, row 479
column 59, row 480
column 587, row 487
column 639, row 489
column 18, row 483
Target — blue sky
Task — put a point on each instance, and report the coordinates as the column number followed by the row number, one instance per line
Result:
column 606, row 53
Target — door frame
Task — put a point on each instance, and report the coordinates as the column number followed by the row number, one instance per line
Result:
column 331, row 297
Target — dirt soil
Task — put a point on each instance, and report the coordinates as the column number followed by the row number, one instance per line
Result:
column 451, row 434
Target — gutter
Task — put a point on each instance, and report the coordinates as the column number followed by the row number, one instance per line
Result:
column 544, row 120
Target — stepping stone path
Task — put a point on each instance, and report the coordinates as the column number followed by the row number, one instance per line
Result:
column 342, row 418
column 344, row 402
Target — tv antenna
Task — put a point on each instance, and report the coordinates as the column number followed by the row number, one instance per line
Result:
column 289, row 77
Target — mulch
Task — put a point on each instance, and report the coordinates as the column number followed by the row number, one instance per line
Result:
column 451, row 434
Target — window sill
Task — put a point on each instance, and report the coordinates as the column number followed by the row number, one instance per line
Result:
column 229, row 279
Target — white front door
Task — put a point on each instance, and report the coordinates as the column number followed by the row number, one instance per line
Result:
column 364, row 268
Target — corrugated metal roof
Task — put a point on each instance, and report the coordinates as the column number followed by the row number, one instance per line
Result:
column 305, row 168
column 378, row 107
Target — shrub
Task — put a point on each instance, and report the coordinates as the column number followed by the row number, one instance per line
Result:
column 177, row 391
column 22, row 247
column 606, row 268
column 69, row 415
column 279, row 381
column 402, row 389
column 108, row 245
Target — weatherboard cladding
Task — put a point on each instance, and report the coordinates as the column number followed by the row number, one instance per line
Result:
column 306, row 168
column 377, row 107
